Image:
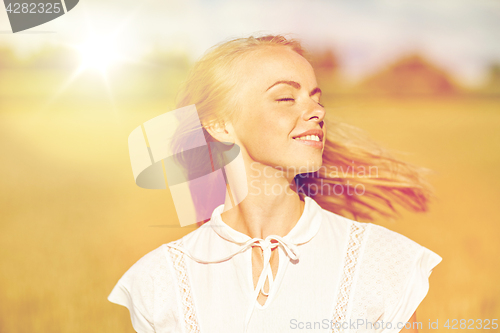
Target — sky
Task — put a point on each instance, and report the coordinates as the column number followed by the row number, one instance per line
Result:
column 461, row 36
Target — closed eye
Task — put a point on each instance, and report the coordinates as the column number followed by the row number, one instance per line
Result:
column 286, row 99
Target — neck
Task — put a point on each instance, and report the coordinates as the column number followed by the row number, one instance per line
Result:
column 271, row 207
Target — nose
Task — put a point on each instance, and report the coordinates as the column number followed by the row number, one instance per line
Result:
column 314, row 112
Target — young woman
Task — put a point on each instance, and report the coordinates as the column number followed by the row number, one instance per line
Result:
column 290, row 256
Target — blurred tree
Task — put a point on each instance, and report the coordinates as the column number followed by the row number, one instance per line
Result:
column 173, row 60
column 492, row 84
column 7, row 58
column 164, row 72
column 410, row 75
column 325, row 63
column 50, row 57
column 326, row 67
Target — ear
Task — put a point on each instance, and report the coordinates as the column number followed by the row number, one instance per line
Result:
column 222, row 132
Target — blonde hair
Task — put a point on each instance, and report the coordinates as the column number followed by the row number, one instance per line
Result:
column 210, row 86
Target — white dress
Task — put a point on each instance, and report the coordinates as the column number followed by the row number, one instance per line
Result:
column 334, row 275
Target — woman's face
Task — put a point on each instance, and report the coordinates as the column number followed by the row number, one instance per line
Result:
column 279, row 121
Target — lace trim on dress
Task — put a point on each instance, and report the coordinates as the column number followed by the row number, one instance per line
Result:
column 190, row 318
column 351, row 263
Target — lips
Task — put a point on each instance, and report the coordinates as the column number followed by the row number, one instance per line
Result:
column 310, row 135
column 312, row 138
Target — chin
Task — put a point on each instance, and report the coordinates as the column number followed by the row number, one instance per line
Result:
column 311, row 165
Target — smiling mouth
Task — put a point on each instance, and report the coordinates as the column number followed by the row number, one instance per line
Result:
column 308, row 138
column 313, row 141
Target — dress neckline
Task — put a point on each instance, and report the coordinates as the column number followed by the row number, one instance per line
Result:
column 304, row 230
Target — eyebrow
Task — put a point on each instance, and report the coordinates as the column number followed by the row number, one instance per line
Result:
column 296, row 85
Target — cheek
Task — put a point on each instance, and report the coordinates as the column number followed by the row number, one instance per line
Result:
column 267, row 137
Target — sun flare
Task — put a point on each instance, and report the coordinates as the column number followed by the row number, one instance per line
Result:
column 97, row 54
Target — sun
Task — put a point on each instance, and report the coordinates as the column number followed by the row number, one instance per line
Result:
column 98, row 54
